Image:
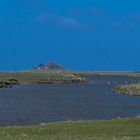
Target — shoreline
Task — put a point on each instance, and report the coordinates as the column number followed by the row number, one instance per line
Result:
column 9, row 85
column 118, row 129
column 10, row 79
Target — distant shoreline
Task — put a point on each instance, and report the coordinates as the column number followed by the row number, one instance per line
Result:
column 39, row 77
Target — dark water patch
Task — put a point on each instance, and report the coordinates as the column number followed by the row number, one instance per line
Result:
column 33, row 104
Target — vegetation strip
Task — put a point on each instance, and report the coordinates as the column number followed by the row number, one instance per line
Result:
column 120, row 129
column 40, row 77
column 131, row 89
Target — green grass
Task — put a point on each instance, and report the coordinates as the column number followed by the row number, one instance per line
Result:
column 41, row 76
column 131, row 89
column 48, row 76
column 123, row 129
column 123, row 73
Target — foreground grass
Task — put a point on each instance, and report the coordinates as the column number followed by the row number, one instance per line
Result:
column 128, row 129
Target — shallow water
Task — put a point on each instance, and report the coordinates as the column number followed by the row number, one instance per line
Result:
column 34, row 104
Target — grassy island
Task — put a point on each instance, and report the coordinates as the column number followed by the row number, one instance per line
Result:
column 131, row 89
column 40, row 76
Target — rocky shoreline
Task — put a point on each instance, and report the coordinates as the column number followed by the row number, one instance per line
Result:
column 8, row 83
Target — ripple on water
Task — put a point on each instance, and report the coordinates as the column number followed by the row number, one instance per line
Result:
column 33, row 104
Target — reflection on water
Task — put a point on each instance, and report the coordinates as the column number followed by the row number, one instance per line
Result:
column 33, row 104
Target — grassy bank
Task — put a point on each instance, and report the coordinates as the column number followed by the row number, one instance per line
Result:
column 42, row 77
column 123, row 73
column 56, row 76
column 128, row 129
column 132, row 89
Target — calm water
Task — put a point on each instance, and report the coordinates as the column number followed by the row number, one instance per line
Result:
column 33, row 104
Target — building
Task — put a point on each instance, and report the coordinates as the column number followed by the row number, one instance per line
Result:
column 50, row 65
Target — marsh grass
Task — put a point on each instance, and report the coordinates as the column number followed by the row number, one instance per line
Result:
column 41, row 76
column 128, row 129
column 131, row 89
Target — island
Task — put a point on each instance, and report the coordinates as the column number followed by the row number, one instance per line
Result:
column 42, row 74
column 131, row 89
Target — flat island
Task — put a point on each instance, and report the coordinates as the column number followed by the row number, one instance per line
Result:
column 41, row 74
column 131, row 89
column 14, row 78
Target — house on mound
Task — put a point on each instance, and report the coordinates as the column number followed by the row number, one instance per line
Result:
column 50, row 65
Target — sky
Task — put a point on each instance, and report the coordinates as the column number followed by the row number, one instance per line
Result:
column 98, row 35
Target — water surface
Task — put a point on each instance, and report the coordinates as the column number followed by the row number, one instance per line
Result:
column 40, row 103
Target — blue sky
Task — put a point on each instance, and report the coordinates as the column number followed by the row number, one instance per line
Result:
column 82, row 35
